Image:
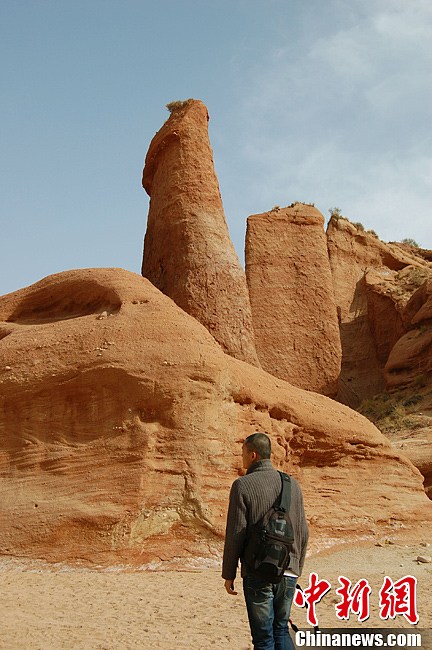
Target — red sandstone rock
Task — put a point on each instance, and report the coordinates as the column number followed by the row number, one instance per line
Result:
column 419, row 308
column 399, row 318
column 415, row 251
column 121, row 423
column 388, row 295
column 371, row 311
column 383, row 311
column 417, row 446
column 188, row 253
column 291, row 293
column 410, row 359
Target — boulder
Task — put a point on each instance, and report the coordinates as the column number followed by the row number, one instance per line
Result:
column 120, row 436
column 410, row 359
column 188, row 253
column 416, row 444
column 419, row 308
column 292, row 299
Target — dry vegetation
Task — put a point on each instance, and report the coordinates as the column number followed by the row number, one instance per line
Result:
column 177, row 105
column 408, row 408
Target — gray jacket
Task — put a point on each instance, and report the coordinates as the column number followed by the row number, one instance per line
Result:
column 250, row 498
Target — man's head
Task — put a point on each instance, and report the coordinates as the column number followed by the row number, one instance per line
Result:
column 255, row 447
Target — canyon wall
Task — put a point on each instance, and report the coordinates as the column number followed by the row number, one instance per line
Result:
column 373, row 283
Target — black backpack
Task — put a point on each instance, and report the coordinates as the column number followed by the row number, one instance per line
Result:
column 269, row 542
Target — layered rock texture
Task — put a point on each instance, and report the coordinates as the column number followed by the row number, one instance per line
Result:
column 292, row 298
column 381, row 297
column 121, row 421
column 188, row 253
column 416, row 444
column 410, row 359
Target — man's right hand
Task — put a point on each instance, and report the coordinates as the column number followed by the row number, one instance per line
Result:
column 229, row 586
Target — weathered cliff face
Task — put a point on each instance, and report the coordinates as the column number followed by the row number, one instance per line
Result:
column 188, row 253
column 373, row 283
column 388, row 294
column 291, row 293
column 410, row 359
column 121, row 423
column 416, row 444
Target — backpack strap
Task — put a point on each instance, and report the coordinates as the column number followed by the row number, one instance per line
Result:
column 284, row 499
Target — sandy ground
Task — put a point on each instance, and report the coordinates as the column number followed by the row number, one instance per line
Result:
column 45, row 607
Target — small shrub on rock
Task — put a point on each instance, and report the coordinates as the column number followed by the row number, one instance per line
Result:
column 410, row 242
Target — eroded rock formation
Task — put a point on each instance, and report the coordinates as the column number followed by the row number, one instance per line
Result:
column 121, row 423
column 410, row 359
column 188, row 253
column 292, row 299
column 373, row 283
column 416, row 444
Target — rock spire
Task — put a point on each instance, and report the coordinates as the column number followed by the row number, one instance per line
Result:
column 188, row 253
column 291, row 292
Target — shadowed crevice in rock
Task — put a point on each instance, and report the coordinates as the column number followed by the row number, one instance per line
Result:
column 373, row 283
column 67, row 300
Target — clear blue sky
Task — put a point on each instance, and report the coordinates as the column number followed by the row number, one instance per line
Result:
column 324, row 101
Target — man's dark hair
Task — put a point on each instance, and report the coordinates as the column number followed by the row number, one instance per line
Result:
column 260, row 444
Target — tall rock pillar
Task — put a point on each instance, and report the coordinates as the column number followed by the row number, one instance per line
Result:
column 188, row 253
column 291, row 293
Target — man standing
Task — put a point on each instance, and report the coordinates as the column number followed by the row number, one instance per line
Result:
column 268, row 604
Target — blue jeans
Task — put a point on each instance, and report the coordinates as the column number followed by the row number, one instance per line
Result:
column 268, row 607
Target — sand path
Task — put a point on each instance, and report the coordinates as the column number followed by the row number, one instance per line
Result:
column 56, row 608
